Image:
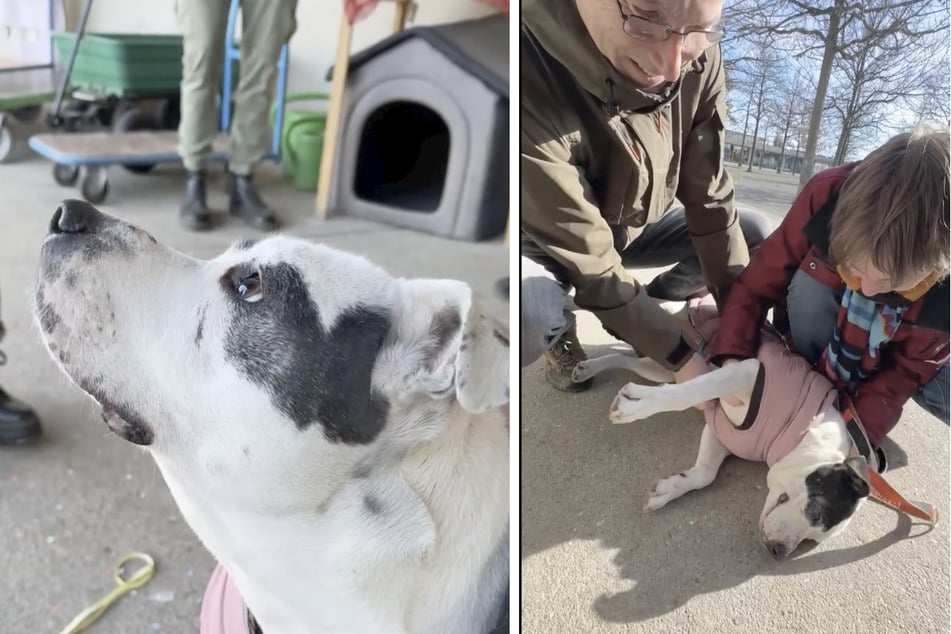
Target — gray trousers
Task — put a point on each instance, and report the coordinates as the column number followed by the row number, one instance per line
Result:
column 545, row 312
column 266, row 26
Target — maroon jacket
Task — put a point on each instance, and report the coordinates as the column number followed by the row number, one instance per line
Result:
column 913, row 356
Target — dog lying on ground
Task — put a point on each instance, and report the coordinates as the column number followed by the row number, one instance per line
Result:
column 788, row 418
column 331, row 433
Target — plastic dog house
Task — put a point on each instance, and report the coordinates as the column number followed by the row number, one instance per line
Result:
column 424, row 131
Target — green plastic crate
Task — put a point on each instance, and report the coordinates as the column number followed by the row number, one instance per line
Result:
column 119, row 64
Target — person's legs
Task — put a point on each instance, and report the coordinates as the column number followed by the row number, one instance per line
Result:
column 547, row 327
column 18, row 421
column 668, row 242
column 933, row 396
column 268, row 25
column 812, row 308
column 203, row 24
column 543, row 317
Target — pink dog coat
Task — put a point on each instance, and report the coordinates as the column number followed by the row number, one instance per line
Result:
column 788, row 398
column 222, row 608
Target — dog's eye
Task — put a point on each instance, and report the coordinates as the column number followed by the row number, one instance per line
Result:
column 783, row 498
column 249, row 287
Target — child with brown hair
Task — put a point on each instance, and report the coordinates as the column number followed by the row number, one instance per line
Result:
column 857, row 275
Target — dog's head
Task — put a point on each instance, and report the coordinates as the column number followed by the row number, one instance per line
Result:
column 278, row 360
column 809, row 502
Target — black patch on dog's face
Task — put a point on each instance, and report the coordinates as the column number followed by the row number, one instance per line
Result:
column 312, row 375
column 834, row 492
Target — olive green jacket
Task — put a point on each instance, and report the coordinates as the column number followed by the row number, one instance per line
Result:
column 600, row 160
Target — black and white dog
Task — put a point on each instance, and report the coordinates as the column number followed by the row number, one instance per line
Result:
column 787, row 418
column 331, row 433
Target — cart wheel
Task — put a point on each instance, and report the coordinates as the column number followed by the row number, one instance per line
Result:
column 170, row 114
column 95, row 185
column 27, row 114
column 65, row 175
column 130, row 120
column 7, row 144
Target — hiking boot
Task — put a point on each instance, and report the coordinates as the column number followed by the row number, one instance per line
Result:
column 247, row 204
column 194, row 214
column 561, row 360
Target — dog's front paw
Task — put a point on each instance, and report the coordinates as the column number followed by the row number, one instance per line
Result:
column 634, row 402
column 582, row 372
column 666, row 490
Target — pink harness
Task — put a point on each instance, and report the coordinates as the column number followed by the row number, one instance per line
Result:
column 795, row 398
column 222, row 608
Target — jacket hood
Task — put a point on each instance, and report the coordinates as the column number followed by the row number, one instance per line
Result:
column 556, row 26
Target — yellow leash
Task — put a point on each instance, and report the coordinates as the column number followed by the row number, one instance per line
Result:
column 138, row 579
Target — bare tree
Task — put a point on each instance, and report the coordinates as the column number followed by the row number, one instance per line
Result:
column 787, row 106
column 878, row 74
column 827, row 30
column 755, row 76
column 932, row 102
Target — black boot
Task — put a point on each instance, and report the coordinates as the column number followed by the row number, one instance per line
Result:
column 684, row 281
column 247, row 204
column 194, row 211
column 18, row 421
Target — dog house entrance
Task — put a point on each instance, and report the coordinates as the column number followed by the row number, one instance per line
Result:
column 403, row 155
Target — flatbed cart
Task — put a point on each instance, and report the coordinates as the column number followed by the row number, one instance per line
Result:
column 26, row 83
column 90, row 154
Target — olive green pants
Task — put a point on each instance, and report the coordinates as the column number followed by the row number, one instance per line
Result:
column 266, row 26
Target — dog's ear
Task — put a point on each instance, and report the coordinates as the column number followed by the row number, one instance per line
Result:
column 455, row 347
column 857, row 473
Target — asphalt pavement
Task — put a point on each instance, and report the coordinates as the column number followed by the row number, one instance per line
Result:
column 592, row 561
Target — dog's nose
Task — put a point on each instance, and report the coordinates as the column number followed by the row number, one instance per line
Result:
column 778, row 550
column 75, row 216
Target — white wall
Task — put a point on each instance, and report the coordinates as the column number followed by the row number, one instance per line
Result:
column 313, row 46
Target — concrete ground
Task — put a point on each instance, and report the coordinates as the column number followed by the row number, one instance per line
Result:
column 72, row 504
column 593, row 561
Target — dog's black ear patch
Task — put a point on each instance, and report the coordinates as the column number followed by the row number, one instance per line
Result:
column 312, row 374
column 834, row 492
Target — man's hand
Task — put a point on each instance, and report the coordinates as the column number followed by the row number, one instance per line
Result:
column 695, row 367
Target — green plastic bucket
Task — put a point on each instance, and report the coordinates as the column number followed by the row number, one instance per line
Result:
column 302, row 139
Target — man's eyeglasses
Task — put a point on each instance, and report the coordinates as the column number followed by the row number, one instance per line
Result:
column 643, row 29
